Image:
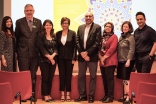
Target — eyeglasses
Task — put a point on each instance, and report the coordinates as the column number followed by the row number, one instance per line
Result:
column 64, row 23
column 108, row 26
column 29, row 10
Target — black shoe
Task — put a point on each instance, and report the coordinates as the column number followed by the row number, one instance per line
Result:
column 108, row 100
column 91, row 99
column 104, row 98
column 81, row 99
column 23, row 100
column 48, row 100
column 33, row 99
column 121, row 100
column 52, row 99
column 127, row 102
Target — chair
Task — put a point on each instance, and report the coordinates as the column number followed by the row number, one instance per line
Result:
column 147, row 99
column 145, row 88
column 5, row 93
column 20, row 83
column 136, row 77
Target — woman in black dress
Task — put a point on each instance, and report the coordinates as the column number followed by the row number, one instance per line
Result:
column 126, row 49
column 7, row 45
column 48, row 51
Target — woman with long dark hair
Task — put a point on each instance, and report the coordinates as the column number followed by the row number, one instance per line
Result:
column 7, row 45
column 48, row 51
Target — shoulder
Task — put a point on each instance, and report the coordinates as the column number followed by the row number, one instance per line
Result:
column 58, row 32
column 149, row 28
column 36, row 19
column 72, row 32
column 2, row 33
column 114, row 36
column 96, row 25
column 20, row 19
column 130, row 37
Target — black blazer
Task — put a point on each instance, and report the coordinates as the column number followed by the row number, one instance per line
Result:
column 92, row 42
column 46, row 47
column 67, row 51
column 26, row 40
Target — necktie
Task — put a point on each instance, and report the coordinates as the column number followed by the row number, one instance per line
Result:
column 30, row 24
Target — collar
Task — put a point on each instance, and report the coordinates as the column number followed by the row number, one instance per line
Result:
column 29, row 20
column 142, row 28
column 88, row 25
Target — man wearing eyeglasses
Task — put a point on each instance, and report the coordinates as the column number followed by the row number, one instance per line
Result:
column 88, row 38
column 26, row 31
column 145, row 39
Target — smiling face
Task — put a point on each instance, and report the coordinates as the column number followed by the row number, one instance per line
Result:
column 29, row 12
column 89, row 18
column 65, row 25
column 8, row 23
column 140, row 20
column 125, row 28
column 48, row 27
column 108, row 28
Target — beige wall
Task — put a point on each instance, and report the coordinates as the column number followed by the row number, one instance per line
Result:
column 7, row 8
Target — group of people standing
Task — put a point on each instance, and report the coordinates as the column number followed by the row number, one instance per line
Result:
column 37, row 44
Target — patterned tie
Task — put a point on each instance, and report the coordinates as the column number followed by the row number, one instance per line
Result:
column 30, row 24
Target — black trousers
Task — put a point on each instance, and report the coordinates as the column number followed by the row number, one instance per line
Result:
column 47, row 73
column 65, row 67
column 29, row 64
column 144, row 63
column 108, row 80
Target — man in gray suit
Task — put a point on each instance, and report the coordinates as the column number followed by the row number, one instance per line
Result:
column 26, row 31
column 88, row 38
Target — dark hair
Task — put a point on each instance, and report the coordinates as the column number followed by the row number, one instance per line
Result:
column 140, row 13
column 43, row 29
column 65, row 19
column 112, row 27
column 130, row 26
column 4, row 28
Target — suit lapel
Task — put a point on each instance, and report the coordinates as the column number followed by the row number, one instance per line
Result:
column 83, row 32
column 25, row 23
column 90, row 30
column 34, row 24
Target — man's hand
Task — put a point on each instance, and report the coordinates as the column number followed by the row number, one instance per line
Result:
column 84, row 54
column 87, row 58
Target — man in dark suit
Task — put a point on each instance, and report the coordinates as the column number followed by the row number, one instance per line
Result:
column 88, row 38
column 26, row 31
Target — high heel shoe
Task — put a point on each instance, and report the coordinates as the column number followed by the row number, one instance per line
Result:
column 46, row 99
column 51, row 99
column 123, row 99
column 62, row 98
column 68, row 98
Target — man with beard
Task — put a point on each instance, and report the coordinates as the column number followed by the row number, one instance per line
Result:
column 88, row 38
column 145, row 39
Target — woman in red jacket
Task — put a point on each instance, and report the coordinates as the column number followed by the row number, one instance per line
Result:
column 108, row 60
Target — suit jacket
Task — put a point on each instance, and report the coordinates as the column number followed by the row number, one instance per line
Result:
column 67, row 51
column 92, row 42
column 26, row 39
